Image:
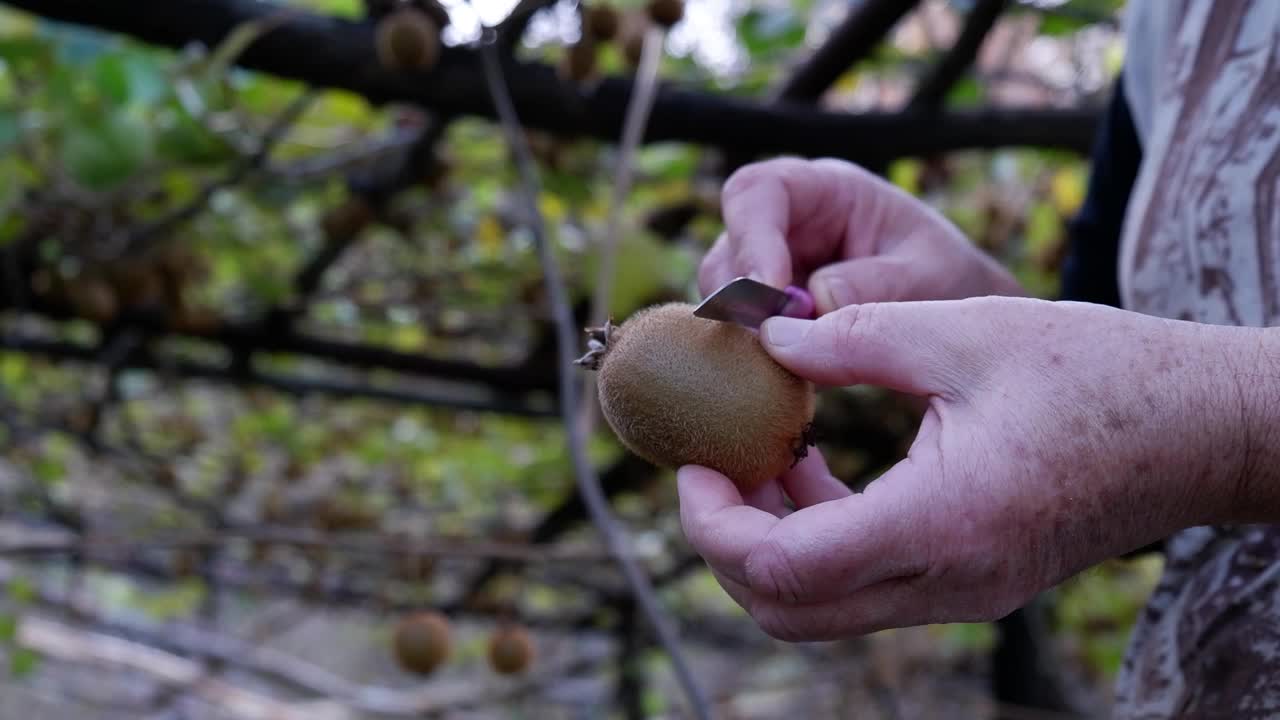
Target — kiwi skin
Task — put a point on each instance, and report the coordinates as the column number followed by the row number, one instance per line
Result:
column 682, row 390
column 408, row 39
column 422, row 642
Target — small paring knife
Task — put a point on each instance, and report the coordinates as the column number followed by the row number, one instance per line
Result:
column 749, row 303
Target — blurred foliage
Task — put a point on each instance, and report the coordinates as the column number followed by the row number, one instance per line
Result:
column 108, row 135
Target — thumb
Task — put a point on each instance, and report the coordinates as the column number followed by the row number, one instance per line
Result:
column 922, row 348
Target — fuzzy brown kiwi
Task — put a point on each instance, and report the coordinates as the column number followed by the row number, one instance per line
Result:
column 422, row 642
column 347, row 219
column 601, row 21
column 666, row 12
column 632, row 27
column 579, row 62
column 408, row 39
column 510, row 649
column 679, row 390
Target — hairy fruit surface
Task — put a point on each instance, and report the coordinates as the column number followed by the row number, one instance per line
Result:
column 408, row 39
column 678, row 390
column 510, row 649
column 422, row 642
column 666, row 12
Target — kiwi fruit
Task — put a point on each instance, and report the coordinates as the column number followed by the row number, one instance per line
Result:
column 422, row 642
column 682, row 390
column 601, row 21
column 510, row 649
column 579, row 62
column 93, row 298
column 348, row 219
column 408, row 39
column 632, row 27
column 666, row 12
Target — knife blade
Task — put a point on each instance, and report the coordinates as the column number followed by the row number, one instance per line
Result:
column 749, row 303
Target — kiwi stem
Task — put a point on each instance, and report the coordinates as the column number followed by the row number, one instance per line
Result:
column 597, row 346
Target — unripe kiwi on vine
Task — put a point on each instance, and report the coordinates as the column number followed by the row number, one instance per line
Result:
column 666, row 12
column 601, row 21
column 510, row 649
column 408, row 39
column 579, row 62
column 683, row 390
column 422, row 642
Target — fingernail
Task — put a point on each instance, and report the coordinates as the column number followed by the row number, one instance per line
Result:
column 835, row 292
column 784, row 331
column 800, row 305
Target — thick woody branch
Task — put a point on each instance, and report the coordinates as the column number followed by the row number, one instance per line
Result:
column 335, row 53
column 478, row 400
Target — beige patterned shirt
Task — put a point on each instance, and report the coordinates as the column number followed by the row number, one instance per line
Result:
column 1202, row 242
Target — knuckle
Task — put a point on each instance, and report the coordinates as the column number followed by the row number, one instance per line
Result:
column 771, row 573
column 748, row 176
column 744, row 178
column 849, row 325
column 781, row 624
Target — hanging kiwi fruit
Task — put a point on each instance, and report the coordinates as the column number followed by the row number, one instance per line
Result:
column 422, row 642
column 510, row 649
column 682, row 390
column 579, row 61
column 345, row 221
column 408, row 39
column 600, row 21
column 666, row 12
column 632, row 27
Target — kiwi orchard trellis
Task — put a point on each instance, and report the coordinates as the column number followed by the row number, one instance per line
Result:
column 325, row 52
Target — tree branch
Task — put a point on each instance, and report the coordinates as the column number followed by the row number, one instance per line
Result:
column 492, row 400
column 934, row 86
column 90, row 544
column 849, row 43
column 588, row 483
column 335, row 53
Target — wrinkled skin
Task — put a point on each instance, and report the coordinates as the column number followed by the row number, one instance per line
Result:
column 1056, row 434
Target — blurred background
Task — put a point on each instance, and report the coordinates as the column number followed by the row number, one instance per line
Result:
column 279, row 430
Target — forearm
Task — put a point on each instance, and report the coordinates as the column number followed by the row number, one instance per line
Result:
column 1255, row 383
column 1207, row 450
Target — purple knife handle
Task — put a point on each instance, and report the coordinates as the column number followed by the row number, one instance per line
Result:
column 800, row 304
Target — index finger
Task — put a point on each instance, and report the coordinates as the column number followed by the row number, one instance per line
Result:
column 783, row 217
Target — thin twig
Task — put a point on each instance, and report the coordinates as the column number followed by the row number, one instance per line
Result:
column 933, row 87
column 378, row 544
column 588, row 483
column 638, row 109
column 271, row 137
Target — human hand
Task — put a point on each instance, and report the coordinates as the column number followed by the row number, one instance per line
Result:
column 844, row 234
column 1057, row 435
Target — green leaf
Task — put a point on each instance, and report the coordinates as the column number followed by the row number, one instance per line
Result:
column 966, row 92
column 22, row 662
column 21, row 591
column 8, row 628
column 10, row 127
column 188, row 142
column 1058, row 25
column 48, row 470
column 111, row 78
column 103, row 155
column 762, row 30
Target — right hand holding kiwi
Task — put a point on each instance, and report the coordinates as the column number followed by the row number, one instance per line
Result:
column 845, row 235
